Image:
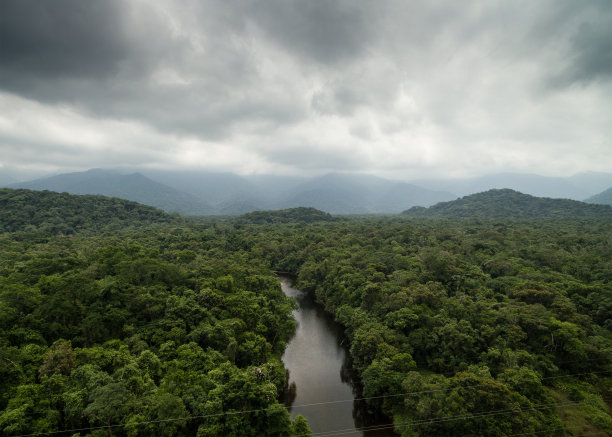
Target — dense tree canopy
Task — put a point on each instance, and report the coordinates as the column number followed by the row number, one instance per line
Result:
column 63, row 213
column 291, row 215
column 173, row 327
column 467, row 327
column 509, row 204
column 157, row 330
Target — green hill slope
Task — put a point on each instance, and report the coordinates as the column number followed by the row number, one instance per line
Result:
column 46, row 211
column 506, row 203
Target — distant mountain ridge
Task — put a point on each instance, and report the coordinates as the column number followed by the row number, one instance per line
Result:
column 135, row 187
column 194, row 193
column 208, row 193
column 603, row 198
column 576, row 187
column 510, row 204
column 360, row 194
column 334, row 193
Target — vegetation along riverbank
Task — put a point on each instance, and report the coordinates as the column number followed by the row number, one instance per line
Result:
column 130, row 321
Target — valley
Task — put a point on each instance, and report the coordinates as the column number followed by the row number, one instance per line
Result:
column 131, row 321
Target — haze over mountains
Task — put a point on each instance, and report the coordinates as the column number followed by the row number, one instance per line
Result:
column 135, row 187
column 603, row 198
column 205, row 193
column 576, row 187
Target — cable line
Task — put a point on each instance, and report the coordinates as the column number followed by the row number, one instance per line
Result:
column 259, row 410
column 443, row 419
column 432, row 391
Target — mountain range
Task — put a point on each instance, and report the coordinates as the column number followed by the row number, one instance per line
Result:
column 135, row 187
column 208, row 193
column 193, row 193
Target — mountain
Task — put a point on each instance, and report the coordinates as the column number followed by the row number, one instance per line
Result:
column 272, row 187
column 593, row 182
column 506, row 203
column 135, row 187
column 228, row 193
column 603, row 198
column 359, row 194
column 47, row 211
column 213, row 188
column 576, row 187
column 208, row 193
column 231, row 194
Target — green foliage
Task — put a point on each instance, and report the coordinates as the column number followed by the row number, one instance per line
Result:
column 471, row 317
column 464, row 327
column 300, row 427
column 157, row 332
column 63, row 213
column 509, row 204
column 291, row 215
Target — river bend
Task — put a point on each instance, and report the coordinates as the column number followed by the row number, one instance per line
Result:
column 319, row 381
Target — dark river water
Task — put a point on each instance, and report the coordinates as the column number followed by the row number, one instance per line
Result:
column 320, row 386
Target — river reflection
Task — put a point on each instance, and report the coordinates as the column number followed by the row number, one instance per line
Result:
column 319, row 378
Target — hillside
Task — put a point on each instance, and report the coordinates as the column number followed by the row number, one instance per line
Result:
column 291, row 215
column 506, row 203
column 603, row 198
column 135, row 187
column 63, row 213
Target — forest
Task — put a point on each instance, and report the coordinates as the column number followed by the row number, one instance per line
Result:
column 117, row 319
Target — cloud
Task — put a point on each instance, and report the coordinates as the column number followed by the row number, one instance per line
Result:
column 592, row 52
column 388, row 87
column 61, row 38
column 325, row 32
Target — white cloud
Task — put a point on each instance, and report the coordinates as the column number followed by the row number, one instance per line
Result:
column 401, row 89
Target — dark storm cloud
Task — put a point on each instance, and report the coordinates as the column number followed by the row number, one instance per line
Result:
column 592, row 51
column 104, row 57
column 84, row 53
column 326, row 31
column 58, row 38
column 398, row 82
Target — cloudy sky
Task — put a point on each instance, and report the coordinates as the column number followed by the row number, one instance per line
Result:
column 401, row 89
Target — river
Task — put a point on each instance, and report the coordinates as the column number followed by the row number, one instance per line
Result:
column 320, row 386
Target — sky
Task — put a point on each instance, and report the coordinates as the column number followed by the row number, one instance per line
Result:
column 400, row 89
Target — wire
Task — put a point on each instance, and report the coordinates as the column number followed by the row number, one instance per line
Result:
column 431, row 391
column 551, row 429
column 443, row 419
column 259, row 410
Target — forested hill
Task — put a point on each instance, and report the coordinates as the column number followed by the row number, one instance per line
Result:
column 63, row 213
column 291, row 215
column 510, row 204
